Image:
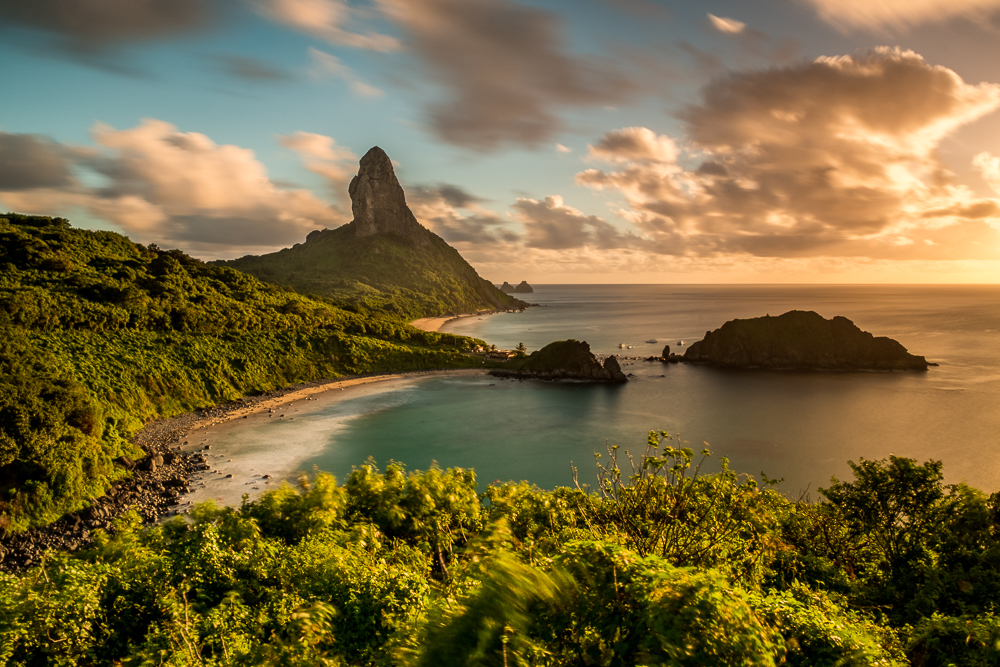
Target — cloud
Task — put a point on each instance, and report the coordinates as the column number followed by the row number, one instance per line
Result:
column 503, row 67
column 436, row 207
column 727, row 25
column 321, row 155
column 94, row 24
column 251, row 69
column 563, row 149
column 325, row 19
column 328, row 65
column 28, row 161
column 550, row 224
column 173, row 187
column 634, row 144
column 898, row 14
column 836, row 157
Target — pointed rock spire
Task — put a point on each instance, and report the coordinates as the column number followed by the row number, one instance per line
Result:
column 378, row 202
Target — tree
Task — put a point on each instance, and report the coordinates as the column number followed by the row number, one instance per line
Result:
column 891, row 505
column 522, row 350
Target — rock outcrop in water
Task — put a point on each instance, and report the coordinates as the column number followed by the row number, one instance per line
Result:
column 564, row 360
column 524, row 288
column 801, row 340
column 507, row 287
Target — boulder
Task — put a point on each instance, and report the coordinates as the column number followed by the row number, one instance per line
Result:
column 666, row 352
column 125, row 462
column 151, row 463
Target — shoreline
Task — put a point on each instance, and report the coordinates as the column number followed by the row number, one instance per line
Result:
column 254, row 464
column 169, row 478
column 434, row 324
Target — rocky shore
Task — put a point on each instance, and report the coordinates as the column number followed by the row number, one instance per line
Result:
column 158, row 483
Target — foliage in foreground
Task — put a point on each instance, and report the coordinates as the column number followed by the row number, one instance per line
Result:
column 419, row 569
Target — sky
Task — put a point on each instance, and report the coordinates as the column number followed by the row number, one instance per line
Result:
column 554, row 141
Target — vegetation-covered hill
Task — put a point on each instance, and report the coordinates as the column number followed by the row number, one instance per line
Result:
column 392, row 273
column 99, row 334
column 663, row 566
column 384, row 257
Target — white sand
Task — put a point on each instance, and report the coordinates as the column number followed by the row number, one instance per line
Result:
column 266, row 445
column 435, row 323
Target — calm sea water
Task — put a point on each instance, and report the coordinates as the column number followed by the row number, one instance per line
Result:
column 800, row 426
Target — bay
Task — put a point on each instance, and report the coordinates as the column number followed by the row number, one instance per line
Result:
column 799, row 426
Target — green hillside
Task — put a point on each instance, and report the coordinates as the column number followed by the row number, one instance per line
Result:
column 392, row 273
column 99, row 334
column 384, row 258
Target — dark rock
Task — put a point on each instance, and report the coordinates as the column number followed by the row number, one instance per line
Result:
column 563, row 360
column 125, row 462
column 507, row 287
column 151, row 463
column 523, row 288
column 378, row 202
column 801, row 340
column 666, row 352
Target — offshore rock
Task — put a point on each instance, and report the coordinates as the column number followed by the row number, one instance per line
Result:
column 801, row 340
column 507, row 287
column 564, row 360
column 378, row 202
column 523, row 288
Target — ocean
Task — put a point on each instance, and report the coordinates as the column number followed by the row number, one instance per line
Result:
column 802, row 427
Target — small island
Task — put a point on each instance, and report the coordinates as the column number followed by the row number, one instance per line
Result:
column 801, row 340
column 563, row 360
column 524, row 288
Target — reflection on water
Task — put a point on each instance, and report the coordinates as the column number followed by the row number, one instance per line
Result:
column 801, row 426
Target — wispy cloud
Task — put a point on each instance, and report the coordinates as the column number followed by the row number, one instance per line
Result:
column 325, row 19
column 727, row 25
column 897, row 14
column 328, row 65
column 503, row 67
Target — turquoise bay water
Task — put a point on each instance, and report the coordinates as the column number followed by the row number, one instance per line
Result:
column 801, row 426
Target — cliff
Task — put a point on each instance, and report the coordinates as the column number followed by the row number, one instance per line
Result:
column 383, row 259
column 564, row 360
column 803, row 340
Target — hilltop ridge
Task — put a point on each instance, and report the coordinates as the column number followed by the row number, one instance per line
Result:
column 384, row 259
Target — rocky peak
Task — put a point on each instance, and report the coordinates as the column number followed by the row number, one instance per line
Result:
column 378, row 202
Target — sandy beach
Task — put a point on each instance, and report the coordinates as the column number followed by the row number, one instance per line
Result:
column 253, row 447
column 435, row 323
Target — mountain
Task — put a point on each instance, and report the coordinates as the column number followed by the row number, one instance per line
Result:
column 383, row 259
column 523, row 288
column 801, row 339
